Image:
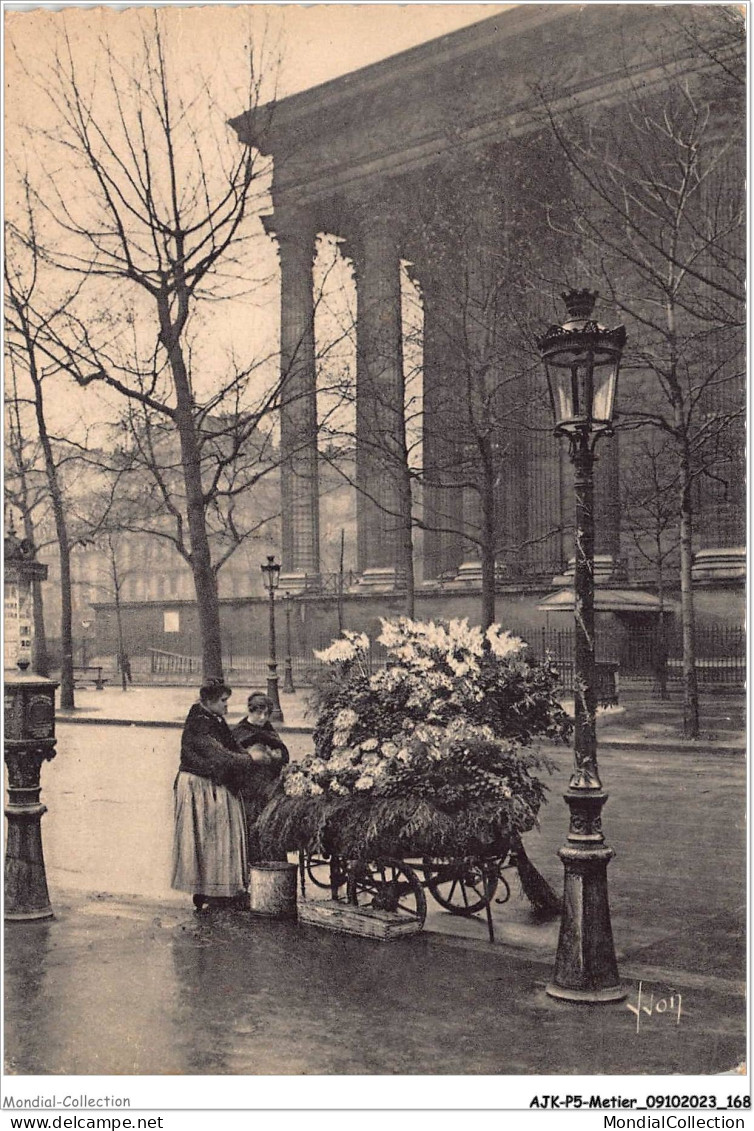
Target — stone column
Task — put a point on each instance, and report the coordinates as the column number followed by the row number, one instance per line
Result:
column 443, row 509
column 298, row 402
column 380, row 421
column 479, row 258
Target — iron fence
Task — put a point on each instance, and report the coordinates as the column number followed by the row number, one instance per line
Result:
column 652, row 653
column 656, row 653
column 171, row 663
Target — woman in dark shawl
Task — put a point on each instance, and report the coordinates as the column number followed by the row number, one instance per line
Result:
column 209, row 847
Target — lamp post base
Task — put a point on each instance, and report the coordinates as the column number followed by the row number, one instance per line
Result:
column 26, row 895
column 586, row 969
column 273, row 694
column 587, row 997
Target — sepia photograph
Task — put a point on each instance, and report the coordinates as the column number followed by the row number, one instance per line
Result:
column 375, row 578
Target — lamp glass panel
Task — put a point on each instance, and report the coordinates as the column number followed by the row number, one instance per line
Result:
column 605, row 380
column 561, row 392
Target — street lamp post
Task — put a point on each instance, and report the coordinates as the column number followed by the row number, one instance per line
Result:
column 582, row 360
column 85, row 626
column 271, row 575
column 288, row 687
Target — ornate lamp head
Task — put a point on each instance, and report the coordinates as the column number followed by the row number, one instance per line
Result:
column 271, row 573
column 582, row 360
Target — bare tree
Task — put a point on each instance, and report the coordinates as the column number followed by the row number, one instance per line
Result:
column 109, row 512
column 27, row 322
column 481, row 241
column 659, row 224
column 156, row 235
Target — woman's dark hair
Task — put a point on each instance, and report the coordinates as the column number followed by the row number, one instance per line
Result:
column 259, row 699
column 213, row 689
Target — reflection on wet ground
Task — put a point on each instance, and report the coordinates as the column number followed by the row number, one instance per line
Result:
column 114, row 989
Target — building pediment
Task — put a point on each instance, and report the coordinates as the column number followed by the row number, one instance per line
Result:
column 471, row 88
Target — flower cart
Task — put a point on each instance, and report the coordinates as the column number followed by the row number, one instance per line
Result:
column 461, row 885
column 425, row 774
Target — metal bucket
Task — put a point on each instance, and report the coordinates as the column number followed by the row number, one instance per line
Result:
column 272, row 889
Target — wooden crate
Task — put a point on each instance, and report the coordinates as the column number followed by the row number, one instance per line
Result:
column 336, row 915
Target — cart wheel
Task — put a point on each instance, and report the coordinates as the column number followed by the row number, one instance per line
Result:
column 462, row 887
column 505, row 891
column 318, row 869
column 387, row 885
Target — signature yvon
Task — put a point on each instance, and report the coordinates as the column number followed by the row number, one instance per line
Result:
column 649, row 1006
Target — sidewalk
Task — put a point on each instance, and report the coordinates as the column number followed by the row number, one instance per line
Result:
column 117, row 987
column 126, row 979
column 168, row 706
column 637, row 722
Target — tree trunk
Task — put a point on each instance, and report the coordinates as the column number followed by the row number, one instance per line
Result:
column 341, row 580
column 487, row 547
column 122, row 658
column 40, row 660
column 662, row 643
column 61, row 530
column 688, row 629
column 405, row 501
column 690, row 685
column 66, row 610
column 205, row 580
column 662, row 648
column 124, row 661
column 407, row 539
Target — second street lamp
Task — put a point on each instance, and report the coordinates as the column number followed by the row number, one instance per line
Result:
column 271, row 575
column 582, row 360
column 85, row 626
column 288, row 687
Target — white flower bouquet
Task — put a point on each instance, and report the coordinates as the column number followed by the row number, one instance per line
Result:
column 432, row 755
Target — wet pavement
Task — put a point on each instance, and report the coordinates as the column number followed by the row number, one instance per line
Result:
column 114, row 988
column 126, row 980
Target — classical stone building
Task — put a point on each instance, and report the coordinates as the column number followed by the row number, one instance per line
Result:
column 437, row 158
column 441, row 163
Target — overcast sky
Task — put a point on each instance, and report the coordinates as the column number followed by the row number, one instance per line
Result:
column 322, row 41
column 327, row 40
column 316, row 43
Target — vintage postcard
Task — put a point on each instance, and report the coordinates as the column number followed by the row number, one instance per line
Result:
column 375, row 569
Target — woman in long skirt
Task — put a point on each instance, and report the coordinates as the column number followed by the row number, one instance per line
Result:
column 209, row 847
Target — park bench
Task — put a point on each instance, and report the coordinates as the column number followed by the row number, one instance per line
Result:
column 92, row 673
